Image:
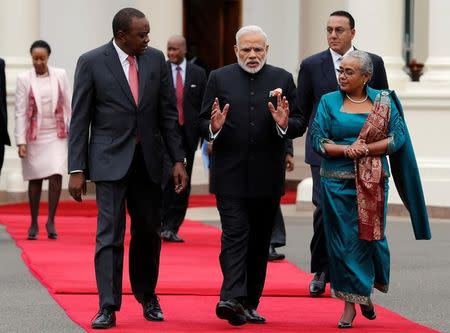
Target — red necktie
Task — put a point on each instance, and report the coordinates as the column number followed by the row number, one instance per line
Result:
column 179, row 93
column 133, row 78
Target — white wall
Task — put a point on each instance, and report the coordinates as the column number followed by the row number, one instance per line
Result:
column 74, row 27
column 280, row 20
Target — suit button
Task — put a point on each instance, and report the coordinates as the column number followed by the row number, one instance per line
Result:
column 252, row 108
column 252, row 124
column 252, row 93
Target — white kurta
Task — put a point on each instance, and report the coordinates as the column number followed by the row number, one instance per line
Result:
column 47, row 155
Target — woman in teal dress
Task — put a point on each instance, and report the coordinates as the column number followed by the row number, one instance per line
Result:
column 355, row 129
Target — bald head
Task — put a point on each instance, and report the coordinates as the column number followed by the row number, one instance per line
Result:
column 176, row 49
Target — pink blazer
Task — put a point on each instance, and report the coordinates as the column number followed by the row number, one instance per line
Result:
column 29, row 79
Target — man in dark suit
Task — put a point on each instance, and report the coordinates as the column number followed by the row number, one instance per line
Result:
column 4, row 137
column 247, row 166
column 188, row 81
column 317, row 77
column 122, row 96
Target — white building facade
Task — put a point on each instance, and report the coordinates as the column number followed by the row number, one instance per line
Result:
column 296, row 29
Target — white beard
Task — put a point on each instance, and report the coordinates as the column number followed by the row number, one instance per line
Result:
column 251, row 70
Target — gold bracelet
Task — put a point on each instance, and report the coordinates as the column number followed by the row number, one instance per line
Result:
column 345, row 150
column 366, row 147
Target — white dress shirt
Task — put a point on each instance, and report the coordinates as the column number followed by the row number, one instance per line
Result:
column 174, row 72
column 337, row 58
column 123, row 60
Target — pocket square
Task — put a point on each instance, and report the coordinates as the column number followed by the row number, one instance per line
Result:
column 193, row 85
column 276, row 92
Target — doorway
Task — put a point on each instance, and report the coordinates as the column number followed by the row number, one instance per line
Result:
column 210, row 28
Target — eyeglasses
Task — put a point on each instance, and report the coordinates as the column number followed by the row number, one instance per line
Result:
column 339, row 30
column 345, row 72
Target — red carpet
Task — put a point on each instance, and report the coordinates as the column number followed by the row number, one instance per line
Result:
column 70, row 208
column 189, row 279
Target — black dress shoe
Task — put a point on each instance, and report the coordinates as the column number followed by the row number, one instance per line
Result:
column 274, row 255
column 152, row 310
column 232, row 311
column 368, row 311
column 170, row 236
column 105, row 318
column 318, row 283
column 253, row 317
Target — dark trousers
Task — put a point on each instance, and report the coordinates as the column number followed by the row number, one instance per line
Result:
column 175, row 205
column 142, row 197
column 246, row 229
column 319, row 256
column 279, row 230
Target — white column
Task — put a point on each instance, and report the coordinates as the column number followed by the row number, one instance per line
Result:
column 19, row 21
column 438, row 62
column 379, row 30
column 166, row 19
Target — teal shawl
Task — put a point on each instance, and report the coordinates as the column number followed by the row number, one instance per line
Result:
column 407, row 179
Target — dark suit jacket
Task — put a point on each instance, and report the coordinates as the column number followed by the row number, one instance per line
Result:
column 102, row 102
column 317, row 76
column 194, row 88
column 248, row 153
column 4, row 137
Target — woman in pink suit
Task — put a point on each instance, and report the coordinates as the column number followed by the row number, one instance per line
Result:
column 43, row 98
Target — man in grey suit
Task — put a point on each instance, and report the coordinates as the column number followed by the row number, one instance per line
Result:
column 4, row 137
column 317, row 77
column 122, row 95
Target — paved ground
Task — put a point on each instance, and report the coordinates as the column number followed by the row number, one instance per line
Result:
column 419, row 290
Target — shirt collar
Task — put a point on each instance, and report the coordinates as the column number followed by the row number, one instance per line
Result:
column 182, row 65
column 122, row 55
column 336, row 55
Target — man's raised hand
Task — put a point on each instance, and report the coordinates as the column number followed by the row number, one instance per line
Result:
column 218, row 116
column 281, row 113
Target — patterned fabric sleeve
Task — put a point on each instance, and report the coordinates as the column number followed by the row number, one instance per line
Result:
column 396, row 136
column 320, row 128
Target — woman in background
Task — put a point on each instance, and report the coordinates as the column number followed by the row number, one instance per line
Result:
column 43, row 98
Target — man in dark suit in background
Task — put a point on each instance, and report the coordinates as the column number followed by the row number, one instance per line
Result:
column 123, row 97
column 247, row 166
column 317, row 77
column 188, row 81
column 4, row 137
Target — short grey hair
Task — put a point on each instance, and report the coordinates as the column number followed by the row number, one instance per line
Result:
column 365, row 62
column 250, row 29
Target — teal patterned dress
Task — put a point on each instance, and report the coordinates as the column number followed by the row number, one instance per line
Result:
column 356, row 266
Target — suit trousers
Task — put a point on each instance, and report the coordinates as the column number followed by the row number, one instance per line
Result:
column 318, row 246
column 175, row 205
column 246, row 229
column 142, row 198
column 278, row 238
